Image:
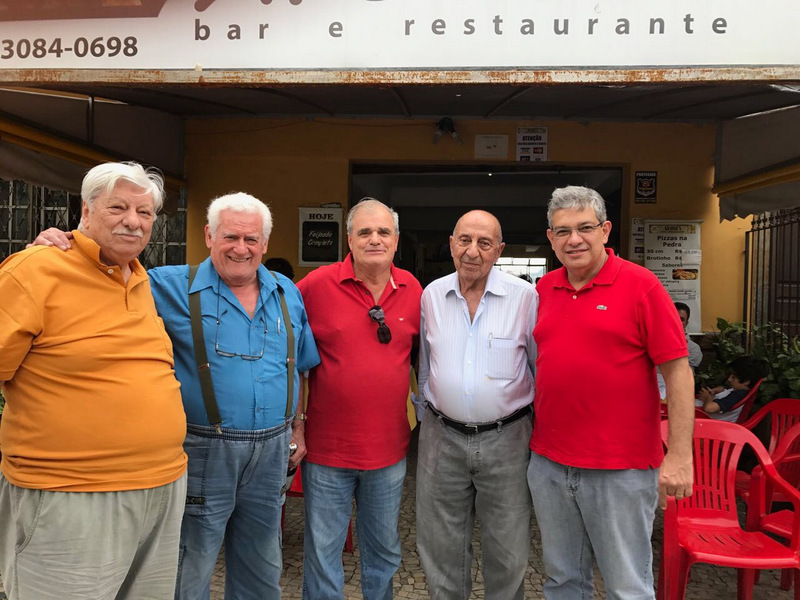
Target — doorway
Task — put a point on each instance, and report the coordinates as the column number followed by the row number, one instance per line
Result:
column 431, row 198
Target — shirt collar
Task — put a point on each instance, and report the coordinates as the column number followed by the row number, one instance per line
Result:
column 606, row 276
column 91, row 249
column 494, row 284
column 207, row 277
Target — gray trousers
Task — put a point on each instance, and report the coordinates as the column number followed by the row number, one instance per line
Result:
column 90, row 545
column 457, row 476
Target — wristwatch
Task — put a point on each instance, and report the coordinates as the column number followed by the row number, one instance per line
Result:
column 300, row 416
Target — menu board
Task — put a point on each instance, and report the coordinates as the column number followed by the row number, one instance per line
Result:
column 672, row 251
column 320, row 236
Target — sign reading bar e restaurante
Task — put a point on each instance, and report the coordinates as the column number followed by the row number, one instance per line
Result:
column 198, row 35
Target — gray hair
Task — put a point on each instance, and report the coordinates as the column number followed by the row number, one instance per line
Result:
column 105, row 177
column 578, row 198
column 241, row 203
column 371, row 203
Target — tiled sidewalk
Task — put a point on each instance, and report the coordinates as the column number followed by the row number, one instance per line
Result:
column 707, row 583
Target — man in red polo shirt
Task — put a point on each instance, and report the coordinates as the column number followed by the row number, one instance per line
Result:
column 597, row 469
column 364, row 313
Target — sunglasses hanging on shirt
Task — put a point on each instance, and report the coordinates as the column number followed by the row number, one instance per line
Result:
column 377, row 315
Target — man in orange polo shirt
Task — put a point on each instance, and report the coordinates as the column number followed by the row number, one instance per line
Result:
column 92, row 487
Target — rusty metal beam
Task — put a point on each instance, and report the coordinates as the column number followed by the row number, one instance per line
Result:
column 378, row 77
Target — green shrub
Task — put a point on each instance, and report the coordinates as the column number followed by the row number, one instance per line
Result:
column 765, row 342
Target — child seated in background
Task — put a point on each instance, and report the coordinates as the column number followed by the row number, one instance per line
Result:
column 745, row 372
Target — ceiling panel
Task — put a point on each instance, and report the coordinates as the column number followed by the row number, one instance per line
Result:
column 640, row 102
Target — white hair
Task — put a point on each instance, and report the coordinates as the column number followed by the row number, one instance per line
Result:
column 241, row 203
column 105, row 177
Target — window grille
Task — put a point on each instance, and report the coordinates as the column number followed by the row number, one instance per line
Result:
column 772, row 278
column 27, row 209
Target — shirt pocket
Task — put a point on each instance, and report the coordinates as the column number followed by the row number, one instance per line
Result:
column 502, row 359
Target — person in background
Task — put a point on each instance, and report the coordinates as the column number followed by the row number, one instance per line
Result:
column 280, row 265
column 719, row 402
column 695, row 353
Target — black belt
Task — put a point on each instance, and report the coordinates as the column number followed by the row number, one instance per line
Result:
column 469, row 428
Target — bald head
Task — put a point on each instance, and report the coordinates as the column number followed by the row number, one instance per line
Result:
column 476, row 244
column 481, row 216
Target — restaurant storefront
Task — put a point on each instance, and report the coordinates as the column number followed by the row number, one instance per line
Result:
column 433, row 106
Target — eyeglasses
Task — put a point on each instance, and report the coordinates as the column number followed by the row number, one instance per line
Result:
column 235, row 354
column 583, row 230
column 384, row 333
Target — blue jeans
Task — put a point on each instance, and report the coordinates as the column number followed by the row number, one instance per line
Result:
column 594, row 513
column 328, row 493
column 233, row 494
column 459, row 475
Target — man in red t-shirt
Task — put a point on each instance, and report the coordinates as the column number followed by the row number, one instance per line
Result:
column 597, row 469
column 364, row 313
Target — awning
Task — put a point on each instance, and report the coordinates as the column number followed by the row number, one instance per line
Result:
column 758, row 164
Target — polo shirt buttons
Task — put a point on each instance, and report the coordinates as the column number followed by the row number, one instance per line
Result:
column 575, row 297
column 111, row 271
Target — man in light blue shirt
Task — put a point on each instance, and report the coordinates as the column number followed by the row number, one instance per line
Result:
column 236, row 471
column 476, row 375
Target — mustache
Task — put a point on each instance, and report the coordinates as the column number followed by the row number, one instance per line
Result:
column 126, row 231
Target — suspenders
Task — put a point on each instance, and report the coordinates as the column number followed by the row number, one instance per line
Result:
column 203, row 370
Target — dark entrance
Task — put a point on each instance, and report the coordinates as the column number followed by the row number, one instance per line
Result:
column 430, row 198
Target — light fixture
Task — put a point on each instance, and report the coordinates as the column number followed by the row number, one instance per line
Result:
column 446, row 125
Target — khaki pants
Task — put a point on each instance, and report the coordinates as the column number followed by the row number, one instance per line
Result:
column 90, row 545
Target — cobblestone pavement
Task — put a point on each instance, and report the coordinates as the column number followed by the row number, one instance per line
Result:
column 707, row 583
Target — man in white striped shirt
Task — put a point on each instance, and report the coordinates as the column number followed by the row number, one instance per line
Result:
column 476, row 375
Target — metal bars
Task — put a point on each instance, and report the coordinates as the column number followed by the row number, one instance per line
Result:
column 27, row 209
column 772, row 277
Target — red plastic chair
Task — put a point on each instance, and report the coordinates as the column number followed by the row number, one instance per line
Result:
column 296, row 491
column 747, row 403
column 705, row 527
column 784, row 413
column 699, row 413
column 786, row 458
